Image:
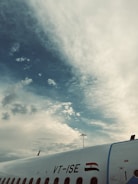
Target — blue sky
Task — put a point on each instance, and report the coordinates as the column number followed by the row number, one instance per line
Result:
column 66, row 68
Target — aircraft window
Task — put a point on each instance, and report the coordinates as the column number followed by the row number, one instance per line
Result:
column 67, row 181
column 94, row 180
column 136, row 173
column 7, row 180
column 79, row 181
column 46, row 180
column 3, row 181
column 56, row 180
column 31, row 181
column 18, row 181
column 24, row 180
column 38, row 181
column 12, row 182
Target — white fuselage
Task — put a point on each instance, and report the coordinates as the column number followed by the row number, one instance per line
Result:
column 106, row 164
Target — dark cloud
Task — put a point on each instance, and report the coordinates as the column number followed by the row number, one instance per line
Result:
column 33, row 109
column 5, row 116
column 8, row 99
column 19, row 109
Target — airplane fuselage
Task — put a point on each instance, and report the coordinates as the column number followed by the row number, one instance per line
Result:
column 105, row 164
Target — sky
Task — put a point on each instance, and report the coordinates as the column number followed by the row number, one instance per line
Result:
column 67, row 68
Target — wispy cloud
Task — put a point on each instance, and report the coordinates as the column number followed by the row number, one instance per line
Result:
column 15, row 48
column 100, row 41
column 22, row 59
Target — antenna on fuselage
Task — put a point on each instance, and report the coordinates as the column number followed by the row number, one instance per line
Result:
column 132, row 137
column 38, row 153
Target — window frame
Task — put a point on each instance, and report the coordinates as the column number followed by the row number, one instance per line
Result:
column 31, row 181
column 95, row 180
column 56, row 180
column 67, row 180
column 38, row 181
column 13, row 180
column 3, row 181
column 24, row 180
column 79, row 182
column 8, row 180
column 47, row 180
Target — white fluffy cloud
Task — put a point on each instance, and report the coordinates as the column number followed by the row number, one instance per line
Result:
column 29, row 133
column 26, row 81
column 30, row 122
column 51, row 82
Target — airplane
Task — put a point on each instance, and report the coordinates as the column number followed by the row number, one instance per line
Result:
column 115, row 163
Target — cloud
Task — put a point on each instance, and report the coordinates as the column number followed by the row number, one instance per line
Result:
column 5, row 116
column 29, row 133
column 12, row 92
column 100, row 41
column 18, row 108
column 51, row 82
column 22, row 59
column 40, row 74
column 26, row 81
column 15, row 48
column 30, row 122
column 9, row 98
column 68, row 110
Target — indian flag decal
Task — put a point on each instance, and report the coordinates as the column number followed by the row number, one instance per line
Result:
column 92, row 166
